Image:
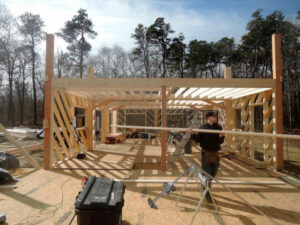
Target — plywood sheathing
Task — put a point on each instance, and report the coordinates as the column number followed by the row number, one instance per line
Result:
column 43, row 191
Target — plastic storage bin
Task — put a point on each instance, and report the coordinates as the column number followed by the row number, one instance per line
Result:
column 100, row 202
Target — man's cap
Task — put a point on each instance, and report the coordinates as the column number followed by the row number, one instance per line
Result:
column 211, row 113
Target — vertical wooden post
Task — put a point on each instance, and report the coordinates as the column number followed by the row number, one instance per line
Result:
column 94, row 127
column 117, row 121
column 228, row 121
column 227, row 73
column 155, row 117
column 90, row 73
column 265, row 124
column 228, row 110
column 243, row 122
column 89, row 117
column 125, row 122
column 72, row 109
column 114, row 121
column 89, row 125
column 104, row 124
column 163, row 162
column 48, row 110
column 252, row 124
column 234, row 138
column 278, row 114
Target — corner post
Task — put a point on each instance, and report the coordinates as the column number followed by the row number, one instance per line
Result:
column 48, row 108
column 278, row 113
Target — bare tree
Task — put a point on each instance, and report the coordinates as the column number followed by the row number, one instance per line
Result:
column 31, row 27
column 9, row 50
column 20, row 81
column 110, row 62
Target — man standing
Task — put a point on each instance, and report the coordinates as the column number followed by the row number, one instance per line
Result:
column 210, row 144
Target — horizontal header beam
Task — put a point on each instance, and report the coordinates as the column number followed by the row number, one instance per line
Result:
column 107, row 83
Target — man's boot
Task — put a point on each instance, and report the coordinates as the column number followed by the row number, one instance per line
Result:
column 207, row 196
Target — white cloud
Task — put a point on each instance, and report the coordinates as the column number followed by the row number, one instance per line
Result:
column 115, row 20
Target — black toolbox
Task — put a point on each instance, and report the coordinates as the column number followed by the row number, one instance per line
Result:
column 100, row 202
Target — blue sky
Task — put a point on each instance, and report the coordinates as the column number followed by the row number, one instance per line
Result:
column 115, row 20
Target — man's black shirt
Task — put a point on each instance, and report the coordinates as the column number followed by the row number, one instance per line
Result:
column 209, row 141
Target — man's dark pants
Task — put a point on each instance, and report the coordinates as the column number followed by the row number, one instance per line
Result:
column 210, row 168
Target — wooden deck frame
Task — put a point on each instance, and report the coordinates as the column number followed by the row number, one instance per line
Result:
column 114, row 94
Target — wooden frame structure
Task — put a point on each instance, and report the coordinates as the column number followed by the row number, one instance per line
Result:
column 110, row 95
column 21, row 150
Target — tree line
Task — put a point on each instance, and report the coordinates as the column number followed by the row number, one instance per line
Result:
column 157, row 52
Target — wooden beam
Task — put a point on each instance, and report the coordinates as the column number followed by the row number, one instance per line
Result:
column 179, row 129
column 267, row 114
column 221, row 106
column 259, row 98
column 18, row 146
column 114, row 121
column 65, row 133
column 29, row 148
column 61, row 140
column 267, row 95
column 170, row 92
column 235, row 103
column 100, row 83
column 252, row 126
column 228, row 121
column 103, row 103
column 104, row 124
column 256, row 104
column 227, row 73
column 277, row 76
column 163, row 162
column 89, row 125
column 116, row 108
column 82, row 133
column 195, row 108
column 155, row 117
column 71, row 111
column 266, row 124
column 90, row 72
column 67, row 106
column 154, row 98
column 47, row 102
column 69, row 135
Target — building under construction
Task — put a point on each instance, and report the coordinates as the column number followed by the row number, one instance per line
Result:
column 122, row 125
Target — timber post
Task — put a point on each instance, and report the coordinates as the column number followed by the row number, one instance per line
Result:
column 277, row 94
column 48, row 105
column 163, row 162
